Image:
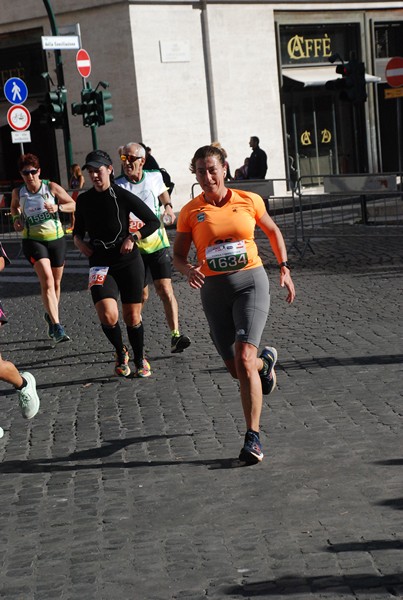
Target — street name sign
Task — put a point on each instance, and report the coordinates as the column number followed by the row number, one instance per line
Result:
column 60, row 42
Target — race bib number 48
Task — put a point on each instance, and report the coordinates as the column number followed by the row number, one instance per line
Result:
column 228, row 256
column 97, row 276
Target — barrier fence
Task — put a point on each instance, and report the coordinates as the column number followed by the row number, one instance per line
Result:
column 343, row 205
column 348, row 205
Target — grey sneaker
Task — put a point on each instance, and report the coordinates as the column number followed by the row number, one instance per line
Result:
column 59, row 335
column 27, row 397
column 268, row 374
column 48, row 320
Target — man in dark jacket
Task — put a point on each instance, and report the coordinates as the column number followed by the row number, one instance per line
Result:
column 257, row 166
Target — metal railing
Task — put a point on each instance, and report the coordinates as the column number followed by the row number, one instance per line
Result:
column 344, row 205
column 349, row 205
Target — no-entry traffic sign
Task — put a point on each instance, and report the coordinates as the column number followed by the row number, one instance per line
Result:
column 83, row 63
column 19, row 117
column 394, row 72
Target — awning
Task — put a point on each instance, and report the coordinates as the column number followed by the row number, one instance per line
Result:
column 317, row 76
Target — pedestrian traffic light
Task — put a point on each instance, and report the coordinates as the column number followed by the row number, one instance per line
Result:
column 103, row 107
column 53, row 108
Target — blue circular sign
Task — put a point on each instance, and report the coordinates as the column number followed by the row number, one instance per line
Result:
column 15, row 90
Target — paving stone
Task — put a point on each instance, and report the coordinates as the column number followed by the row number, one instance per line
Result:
column 132, row 489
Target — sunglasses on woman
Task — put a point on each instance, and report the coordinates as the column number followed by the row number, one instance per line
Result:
column 29, row 171
column 129, row 158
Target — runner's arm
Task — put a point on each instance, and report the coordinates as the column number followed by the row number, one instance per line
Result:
column 65, row 201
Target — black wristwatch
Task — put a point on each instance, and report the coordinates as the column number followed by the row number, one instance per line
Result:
column 285, row 264
column 134, row 237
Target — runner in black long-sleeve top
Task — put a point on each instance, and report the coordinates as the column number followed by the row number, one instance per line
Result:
column 116, row 267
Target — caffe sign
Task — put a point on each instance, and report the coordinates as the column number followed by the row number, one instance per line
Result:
column 305, row 48
column 309, row 44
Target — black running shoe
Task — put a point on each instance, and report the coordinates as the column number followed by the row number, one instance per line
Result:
column 179, row 343
column 251, row 452
column 59, row 334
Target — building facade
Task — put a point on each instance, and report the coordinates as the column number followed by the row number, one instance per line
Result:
column 185, row 73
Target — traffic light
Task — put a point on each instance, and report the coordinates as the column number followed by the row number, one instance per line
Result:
column 90, row 116
column 355, row 89
column 93, row 107
column 53, row 109
column 352, row 85
column 103, row 107
column 87, row 108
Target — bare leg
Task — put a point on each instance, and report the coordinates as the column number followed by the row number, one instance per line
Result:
column 50, row 287
column 10, row 374
column 165, row 291
column 245, row 367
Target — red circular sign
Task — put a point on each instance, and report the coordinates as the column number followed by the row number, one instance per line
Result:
column 19, row 117
column 394, row 72
column 83, row 63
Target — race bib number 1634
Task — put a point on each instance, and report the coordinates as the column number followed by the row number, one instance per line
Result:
column 228, row 256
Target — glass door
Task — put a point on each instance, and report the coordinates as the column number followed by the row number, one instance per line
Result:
column 325, row 135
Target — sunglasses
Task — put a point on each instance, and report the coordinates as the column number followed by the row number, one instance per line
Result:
column 29, row 171
column 129, row 158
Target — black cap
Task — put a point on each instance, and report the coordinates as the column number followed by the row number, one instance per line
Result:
column 96, row 159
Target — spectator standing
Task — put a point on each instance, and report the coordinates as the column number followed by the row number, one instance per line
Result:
column 257, row 167
column 150, row 187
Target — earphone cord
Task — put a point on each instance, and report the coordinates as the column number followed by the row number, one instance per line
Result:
column 108, row 245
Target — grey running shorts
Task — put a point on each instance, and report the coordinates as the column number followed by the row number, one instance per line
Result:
column 236, row 306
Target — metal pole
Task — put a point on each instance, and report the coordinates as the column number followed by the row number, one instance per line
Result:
column 399, row 138
column 209, row 71
column 94, row 137
column 60, row 84
column 92, row 127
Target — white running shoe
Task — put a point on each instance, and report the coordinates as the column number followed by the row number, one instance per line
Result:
column 27, row 397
